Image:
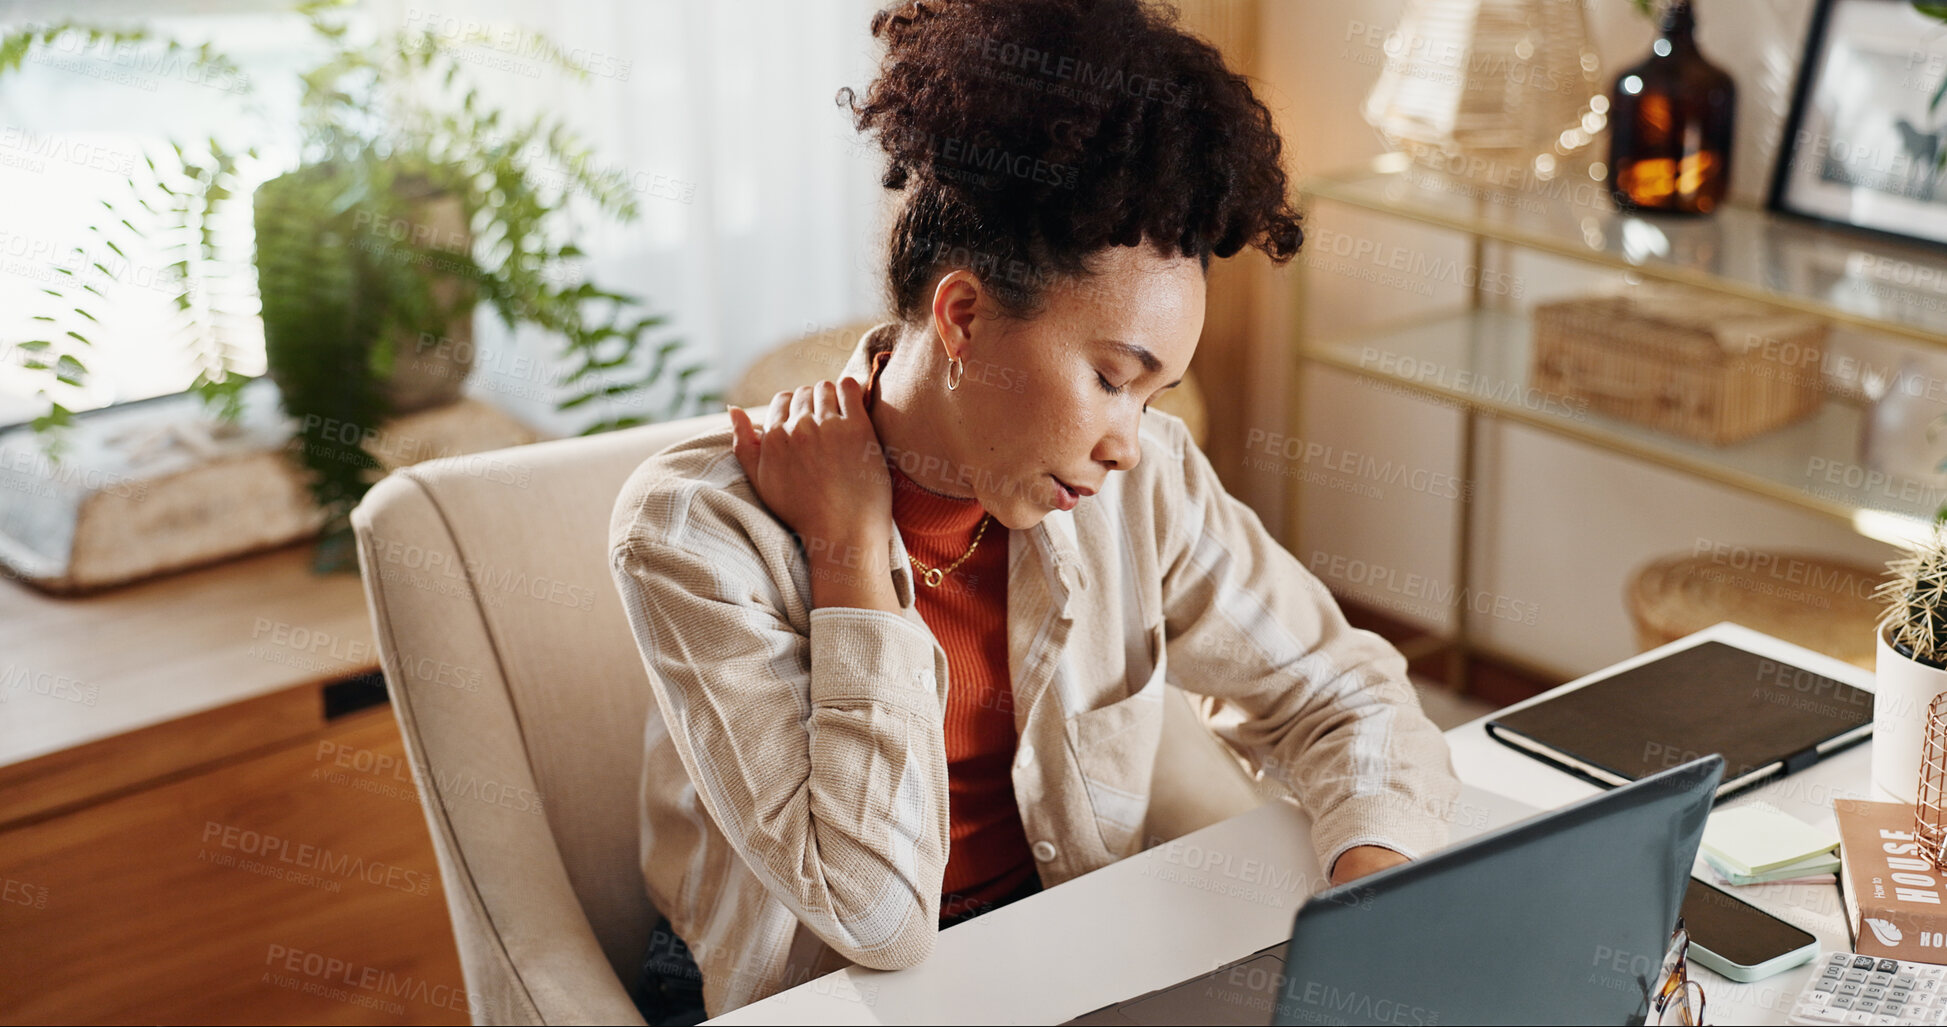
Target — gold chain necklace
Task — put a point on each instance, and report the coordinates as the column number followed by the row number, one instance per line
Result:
column 933, row 575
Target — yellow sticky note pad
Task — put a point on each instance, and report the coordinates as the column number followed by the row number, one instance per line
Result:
column 1758, row 836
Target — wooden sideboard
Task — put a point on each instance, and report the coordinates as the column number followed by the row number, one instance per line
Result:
column 206, row 813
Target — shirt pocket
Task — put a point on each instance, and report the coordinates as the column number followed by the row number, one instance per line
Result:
column 1115, row 752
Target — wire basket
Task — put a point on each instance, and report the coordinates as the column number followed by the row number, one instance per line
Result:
column 1929, row 820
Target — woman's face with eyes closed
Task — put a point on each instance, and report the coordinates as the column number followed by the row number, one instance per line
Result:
column 1049, row 405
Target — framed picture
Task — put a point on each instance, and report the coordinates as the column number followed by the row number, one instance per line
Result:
column 1865, row 143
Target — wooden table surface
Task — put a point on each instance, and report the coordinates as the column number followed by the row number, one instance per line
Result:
column 182, row 838
column 102, row 693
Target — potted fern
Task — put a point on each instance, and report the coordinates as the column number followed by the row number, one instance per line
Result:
column 391, row 134
column 1911, row 667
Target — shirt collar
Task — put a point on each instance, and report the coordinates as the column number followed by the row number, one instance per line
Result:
column 877, row 339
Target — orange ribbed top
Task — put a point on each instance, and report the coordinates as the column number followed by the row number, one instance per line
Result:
column 967, row 613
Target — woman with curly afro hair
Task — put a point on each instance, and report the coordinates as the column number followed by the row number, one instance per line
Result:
column 909, row 632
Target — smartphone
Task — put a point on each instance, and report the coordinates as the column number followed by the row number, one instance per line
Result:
column 1739, row 940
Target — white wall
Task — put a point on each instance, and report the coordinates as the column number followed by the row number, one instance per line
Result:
column 1560, row 525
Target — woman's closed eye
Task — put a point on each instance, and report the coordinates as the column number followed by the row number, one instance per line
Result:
column 1114, row 390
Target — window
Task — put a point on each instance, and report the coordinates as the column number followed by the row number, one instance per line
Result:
column 771, row 231
column 76, row 121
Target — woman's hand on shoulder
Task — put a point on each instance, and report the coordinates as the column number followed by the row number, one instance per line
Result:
column 817, row 464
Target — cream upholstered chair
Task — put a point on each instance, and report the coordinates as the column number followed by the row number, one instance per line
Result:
column 522, row 700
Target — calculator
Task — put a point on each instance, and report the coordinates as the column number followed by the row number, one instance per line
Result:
column 1846, row 988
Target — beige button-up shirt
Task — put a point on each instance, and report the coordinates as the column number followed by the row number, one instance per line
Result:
column 794, row 789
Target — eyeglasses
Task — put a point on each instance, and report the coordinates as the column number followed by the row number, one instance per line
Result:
column 1677, row 999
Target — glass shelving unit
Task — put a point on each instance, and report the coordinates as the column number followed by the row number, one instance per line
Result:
column 1476, row 357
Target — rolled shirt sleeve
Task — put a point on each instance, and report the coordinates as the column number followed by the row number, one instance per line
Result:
column 819, row 754
column 1324, row 707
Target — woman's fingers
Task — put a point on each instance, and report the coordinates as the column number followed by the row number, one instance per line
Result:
column 810, row 470
column 851, row 397
column 743, row 441
column 780, row 408
column 800, row 404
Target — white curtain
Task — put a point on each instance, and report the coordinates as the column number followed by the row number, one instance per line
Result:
column 760, row 203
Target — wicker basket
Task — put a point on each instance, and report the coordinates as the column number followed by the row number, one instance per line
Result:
column 150, row 489
column 1823, row 604
column 1712, row 368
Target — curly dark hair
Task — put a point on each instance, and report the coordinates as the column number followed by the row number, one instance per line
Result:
column 1031, row 133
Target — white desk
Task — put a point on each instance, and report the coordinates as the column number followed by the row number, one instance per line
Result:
column 1222, row 893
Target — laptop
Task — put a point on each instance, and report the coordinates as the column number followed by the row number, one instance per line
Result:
column 1562, row 917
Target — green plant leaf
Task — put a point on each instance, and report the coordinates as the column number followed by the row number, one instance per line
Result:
column 614, row 424
column 332, row 295
column 57, row 416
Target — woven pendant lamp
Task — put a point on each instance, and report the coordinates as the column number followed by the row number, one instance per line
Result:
column 1492, row 90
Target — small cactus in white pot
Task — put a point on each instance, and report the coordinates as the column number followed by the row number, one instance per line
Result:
column 1911, row 667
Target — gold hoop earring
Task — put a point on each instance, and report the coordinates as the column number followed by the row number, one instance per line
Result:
column 955, row 370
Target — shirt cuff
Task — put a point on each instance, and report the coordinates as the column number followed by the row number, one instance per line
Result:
column 860, row 655
column 1375, row 820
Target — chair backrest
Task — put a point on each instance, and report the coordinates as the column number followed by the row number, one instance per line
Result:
column 519, row 687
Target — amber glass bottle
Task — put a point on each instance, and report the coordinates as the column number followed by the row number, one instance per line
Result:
column 1670, row 125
